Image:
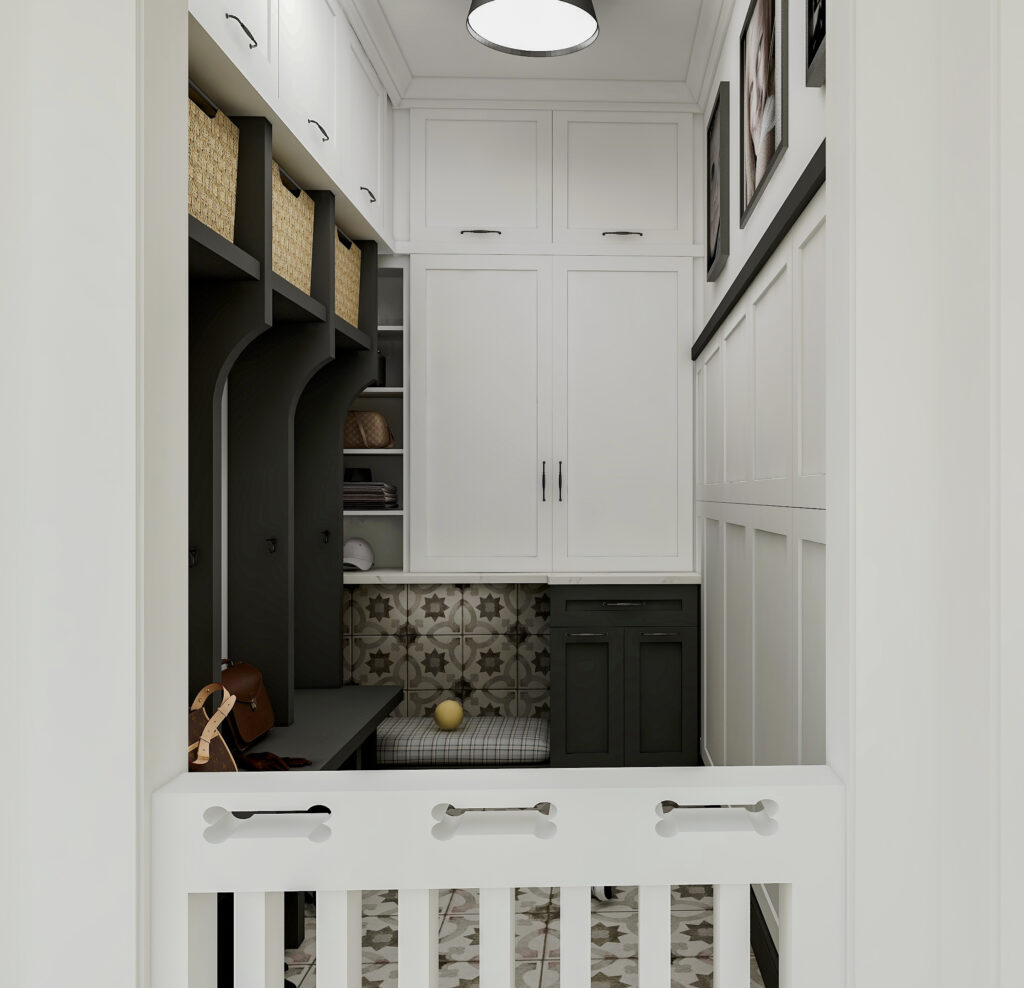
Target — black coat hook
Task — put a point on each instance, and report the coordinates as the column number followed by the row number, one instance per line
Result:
column 325, row 536
column 271, row 546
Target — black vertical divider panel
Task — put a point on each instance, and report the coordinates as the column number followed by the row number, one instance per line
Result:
column 263, row 391
column 319, row 423
column 224, row 317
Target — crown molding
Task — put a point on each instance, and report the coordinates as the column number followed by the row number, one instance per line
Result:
column 373, row 29
column 667, row 95
column 703, row 81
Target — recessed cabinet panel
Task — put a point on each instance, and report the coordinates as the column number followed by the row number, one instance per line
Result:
column 361, row 115
column 586, row 698
column 482, row 481
column 623, row 179
column 247, row 31
column 481, row 178
column 663, row 697
column 623, row 425
column 308, row 33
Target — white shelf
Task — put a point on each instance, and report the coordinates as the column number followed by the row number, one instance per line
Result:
column 373, row 452
column 383, row 513
column 383, row 391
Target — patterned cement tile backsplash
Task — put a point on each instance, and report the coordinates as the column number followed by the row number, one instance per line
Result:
column 485, row 645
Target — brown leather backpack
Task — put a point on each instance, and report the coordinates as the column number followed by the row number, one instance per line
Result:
column 207, row 749
column 252, row 715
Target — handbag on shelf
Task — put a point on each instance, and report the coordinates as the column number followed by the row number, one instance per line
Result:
column 367, row 430
column 207, row 749
column 252, row 715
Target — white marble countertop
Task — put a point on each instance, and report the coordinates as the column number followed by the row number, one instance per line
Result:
column 390, row 576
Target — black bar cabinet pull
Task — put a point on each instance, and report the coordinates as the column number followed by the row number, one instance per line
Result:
column 241, row 24
column 316, row 123
column 623, row 603
column 462, row 233
column 622, row 233
column 544, row 480
column 559, row 480
column 363, row 188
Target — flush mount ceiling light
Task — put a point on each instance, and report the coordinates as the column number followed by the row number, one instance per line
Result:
column 540, row 28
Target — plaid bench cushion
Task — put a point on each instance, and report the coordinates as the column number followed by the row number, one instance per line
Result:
column 476, row 741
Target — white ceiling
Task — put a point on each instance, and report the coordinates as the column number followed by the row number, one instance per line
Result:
column 640, row 41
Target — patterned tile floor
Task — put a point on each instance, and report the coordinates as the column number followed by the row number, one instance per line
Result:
column 613, row 939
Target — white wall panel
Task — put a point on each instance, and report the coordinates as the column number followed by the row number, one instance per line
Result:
column 739, row 646
column 776, row 714
column 714, row 641
column 809, row 363
column 809, row 553
column 772, row 315
column 739, row 407
column 714, row 411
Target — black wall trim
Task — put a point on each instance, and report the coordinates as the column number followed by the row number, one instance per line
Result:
column 761, row 942
column 812, row 179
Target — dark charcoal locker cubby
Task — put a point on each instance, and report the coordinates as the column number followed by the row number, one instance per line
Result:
column 625, row 676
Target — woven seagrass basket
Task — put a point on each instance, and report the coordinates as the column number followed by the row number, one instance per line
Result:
column 212, row 170
column 292, row 233
column 347, row 264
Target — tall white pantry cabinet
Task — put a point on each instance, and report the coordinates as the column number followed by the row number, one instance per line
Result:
column 551, row 414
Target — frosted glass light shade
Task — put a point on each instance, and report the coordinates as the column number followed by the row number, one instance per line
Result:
column 540, row 28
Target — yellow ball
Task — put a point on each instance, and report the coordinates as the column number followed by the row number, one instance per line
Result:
column 448, row 715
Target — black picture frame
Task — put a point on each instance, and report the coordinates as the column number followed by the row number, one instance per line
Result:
column 778, row 32
column 815, row 43
column 717, row 171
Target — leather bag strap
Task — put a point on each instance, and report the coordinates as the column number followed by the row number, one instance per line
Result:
column 210, row 731
column 362, row 431
column 205, row 693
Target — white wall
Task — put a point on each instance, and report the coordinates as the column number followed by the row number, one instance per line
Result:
column 806, row 132
column 760, row 479
column 93, row 343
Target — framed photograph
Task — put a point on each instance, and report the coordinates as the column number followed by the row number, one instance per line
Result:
column 815, row 43
column 763, row 99
column 718, row 183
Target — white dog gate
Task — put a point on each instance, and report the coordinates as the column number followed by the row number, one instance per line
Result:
column 260, row 835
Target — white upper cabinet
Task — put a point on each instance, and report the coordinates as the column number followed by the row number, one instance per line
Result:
column 247, row 31
column 623, row 414
column 361, row 121
column 308, row 38
column 481, row 177
column 623, row 179
column 482, row 478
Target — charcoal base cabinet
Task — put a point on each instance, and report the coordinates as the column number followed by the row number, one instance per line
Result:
column 625, row 691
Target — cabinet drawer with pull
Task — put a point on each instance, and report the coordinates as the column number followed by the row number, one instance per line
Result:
column 625, row 606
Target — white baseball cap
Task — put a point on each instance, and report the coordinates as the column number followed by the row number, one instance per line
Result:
column 357, row 554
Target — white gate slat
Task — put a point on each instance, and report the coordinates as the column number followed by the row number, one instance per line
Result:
column 339, row 939
column 732, row 936
column 811, row 950
column 202, row 940
column 259, row 939
column 574, row 941
column 497, row 938
column 655, row 953
column 417, row 938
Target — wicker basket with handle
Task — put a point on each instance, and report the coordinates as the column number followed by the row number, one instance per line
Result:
column 347, row 265
column 292, row 233
column 212, row 170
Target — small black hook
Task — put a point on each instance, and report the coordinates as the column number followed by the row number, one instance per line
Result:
column 271, row 546
column 325, row 536
column 193, row 557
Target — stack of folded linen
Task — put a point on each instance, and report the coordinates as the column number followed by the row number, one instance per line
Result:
column 369, row 496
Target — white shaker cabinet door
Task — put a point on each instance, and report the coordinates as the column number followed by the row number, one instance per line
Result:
column 246, row 30
column 623, row 180
column 308, row 37
column 623, row 414
column 481, row 414
column 362, row 110
column 481, row 178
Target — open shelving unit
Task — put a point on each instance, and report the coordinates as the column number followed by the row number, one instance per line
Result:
column 387, row 531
